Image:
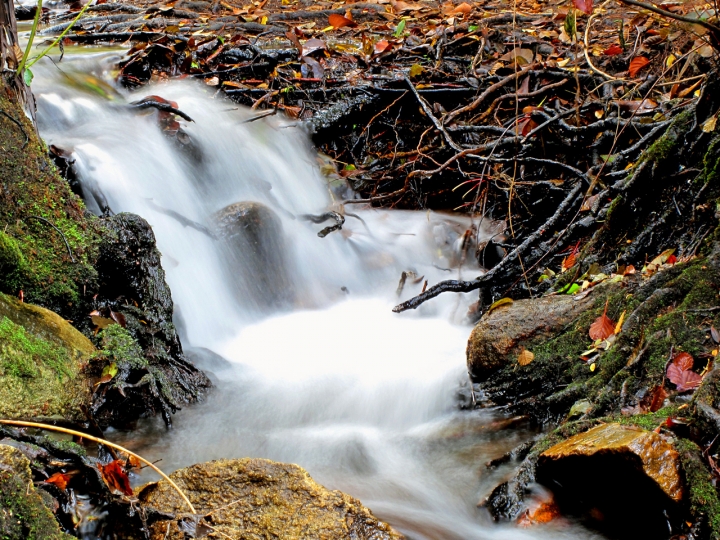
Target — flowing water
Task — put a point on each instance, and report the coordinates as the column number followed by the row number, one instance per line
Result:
column 329, row 378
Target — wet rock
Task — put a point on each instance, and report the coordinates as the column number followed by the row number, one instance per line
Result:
column 132, row 282
column 257, row 498
column 497, row 339
column 24, row 514
column 41, row 364
column 625, row 480
column 256, row 255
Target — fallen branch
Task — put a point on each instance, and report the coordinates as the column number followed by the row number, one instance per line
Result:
column 467, row 286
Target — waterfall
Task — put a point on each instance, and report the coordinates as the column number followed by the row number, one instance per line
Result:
column 311, row 365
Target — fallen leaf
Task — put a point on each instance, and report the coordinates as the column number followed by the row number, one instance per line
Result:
column 99, row 321
column 338, row 21
column 118, row 318
column 619, row 324
column 680, row 373
column 525, row 357
column 715, row 334
column 636, row 64
column 710, row 123
column 586, row 6
column 382, row 46
column 416, row 70
column 498, row 303
column 115, row 477
column 603, row 327
column 463, row 9
column 654, row 399
column 313, row 45
column 613, row 50
column 59, row 479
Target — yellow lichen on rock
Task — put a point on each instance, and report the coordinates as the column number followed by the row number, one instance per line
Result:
column 261, row 499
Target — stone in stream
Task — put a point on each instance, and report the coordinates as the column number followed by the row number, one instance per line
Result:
column 500, row 335
column 25, row 513
column 260, row 499
column 623, row 479
column 256, row 259
column 41, row 364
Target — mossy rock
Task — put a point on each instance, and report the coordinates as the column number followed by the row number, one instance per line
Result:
column 48, row 244
column 261, row 499
column 41, row 364
column 23, row 515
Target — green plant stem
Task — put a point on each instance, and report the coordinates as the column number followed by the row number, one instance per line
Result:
column 57, row 40
column 36, row 21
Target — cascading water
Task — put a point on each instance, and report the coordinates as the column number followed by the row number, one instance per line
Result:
column 327, row 377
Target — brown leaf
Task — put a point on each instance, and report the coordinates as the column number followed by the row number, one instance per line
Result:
column 115, row 477
column 118, row 318
column 715, row 334
column 636, row 64
column 338, row 21
column 382, row 46
column 654, row 399
column 603, row 327
column 312, row 45
column 99, row 321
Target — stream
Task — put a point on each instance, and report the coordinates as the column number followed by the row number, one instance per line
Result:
column 313, row 368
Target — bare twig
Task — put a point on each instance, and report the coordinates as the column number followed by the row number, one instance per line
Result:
column 49, row 223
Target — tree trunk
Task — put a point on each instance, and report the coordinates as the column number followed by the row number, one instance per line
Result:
column 11, row 82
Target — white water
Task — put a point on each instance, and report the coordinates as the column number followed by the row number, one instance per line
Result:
column 364, row 399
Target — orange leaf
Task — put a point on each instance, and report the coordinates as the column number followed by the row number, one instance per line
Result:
column 463, row 8
column 338, row 21
column 636, row 64
column 568, row 262
column 59, row 479
column 115, row 477
column 603, row 327
column 613, row 50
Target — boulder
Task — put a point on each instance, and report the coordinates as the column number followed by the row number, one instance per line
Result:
column 132, row 282
column 24, row 514
column 500, row 335
column 261, row 499
column 627, row 480
column 42, row 359
column 256, row 260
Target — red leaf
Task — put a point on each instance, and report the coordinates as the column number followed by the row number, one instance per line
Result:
column 680, row 373
column 613, row 50
column 683, row 361
column 683, row 379
column 382, row 46
column 59, row 479
column 338, row 21
column 568, row 262
column 653, row 400
column 115, row 477
column 636, row 64
column 586, row 6
column 603, row 327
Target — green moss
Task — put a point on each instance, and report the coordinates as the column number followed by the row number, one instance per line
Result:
column 24, row 355
column 23, row 515
column 38, row 378
column 703, row 496
column 42, row 267
column 120, row 347
column 664, row 147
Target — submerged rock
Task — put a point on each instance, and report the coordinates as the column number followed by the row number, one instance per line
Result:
column 500, row 335
column 256, row 259
column 41, row 364
column 623, row 479
column 261, row 499
column 24, row 514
